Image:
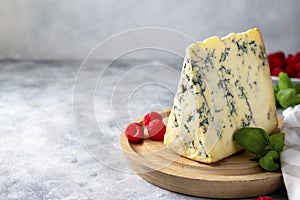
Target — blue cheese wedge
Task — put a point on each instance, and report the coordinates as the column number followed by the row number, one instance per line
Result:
column 225, row 85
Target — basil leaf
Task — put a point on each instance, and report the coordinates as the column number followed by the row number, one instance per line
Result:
column 297, row 100
column 276, row 89
column 277, row 141
column 284, row 82
column 297, row 87
column 267, row 161
column 287, row 97
column 254, row 140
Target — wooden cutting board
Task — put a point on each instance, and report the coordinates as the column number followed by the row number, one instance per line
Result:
column 233, row 177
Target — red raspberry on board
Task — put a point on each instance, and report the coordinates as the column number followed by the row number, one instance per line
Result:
column 134, row 132
column 156, row 130
column 150, row 117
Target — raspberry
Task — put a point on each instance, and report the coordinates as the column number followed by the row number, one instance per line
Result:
column 278, row 54
column 297, row 75
column 290, row 59
column 290, row 71
column 276, row 71
column 264, row 198
column 151, row 116
column 277, row 63
column 297, row 67
column 156, row 130
column 297, row 57
column 134, row 132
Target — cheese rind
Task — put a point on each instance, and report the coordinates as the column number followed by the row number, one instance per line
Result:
column 225, row 85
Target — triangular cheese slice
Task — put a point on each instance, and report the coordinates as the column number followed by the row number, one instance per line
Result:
column 225, row 85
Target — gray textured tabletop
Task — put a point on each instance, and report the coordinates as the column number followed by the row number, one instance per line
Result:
column 60, row 127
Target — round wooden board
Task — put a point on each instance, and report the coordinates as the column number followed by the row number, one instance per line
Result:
column 233, row 177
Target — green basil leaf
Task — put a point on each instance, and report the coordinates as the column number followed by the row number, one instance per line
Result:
column 277, row 141
column 254, row 140
column 297, row 99
column 284, row 82
column 287, row 97
column 276, row 89
column 297, row 87
column 267, row 161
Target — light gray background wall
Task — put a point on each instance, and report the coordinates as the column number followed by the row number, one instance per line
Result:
column 65, row 29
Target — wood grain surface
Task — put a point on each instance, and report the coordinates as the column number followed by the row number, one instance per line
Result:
column 233, row 177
